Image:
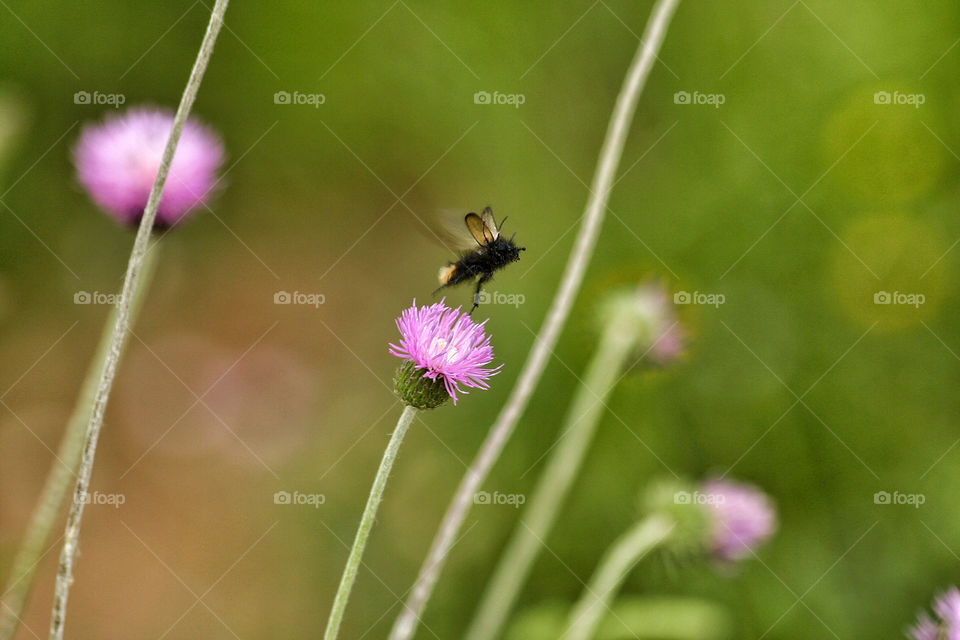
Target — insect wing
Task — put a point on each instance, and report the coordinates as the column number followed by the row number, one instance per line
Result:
column 490, row 225
column 445, row 227
column 478, row 229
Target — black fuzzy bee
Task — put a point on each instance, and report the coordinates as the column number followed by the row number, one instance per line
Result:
column 492, row 253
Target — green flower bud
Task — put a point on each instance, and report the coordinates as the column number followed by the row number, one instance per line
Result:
column 418, row 391
column 679, row 500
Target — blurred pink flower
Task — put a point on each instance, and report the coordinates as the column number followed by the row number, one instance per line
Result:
column 742, row 518
column 667, row 336
column 447, row 344
column 946, row 608
column 117, row 162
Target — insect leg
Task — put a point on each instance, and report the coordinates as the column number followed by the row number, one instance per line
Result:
column 476, row 293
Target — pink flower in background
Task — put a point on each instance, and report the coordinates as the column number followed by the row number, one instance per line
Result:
column 742, row 518
column 946, row 608
column 668, row 346
column 447, row 345
column 117, row 162
column 667, row 337
column 925, row 629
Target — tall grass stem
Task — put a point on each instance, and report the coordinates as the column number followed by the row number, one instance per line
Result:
column 556, row 318
column 121, row 327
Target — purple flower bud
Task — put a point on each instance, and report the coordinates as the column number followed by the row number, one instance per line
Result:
column 644, row 315
column 667, row 336
column 117, row 162
column 742, row 518
column 946, row 608
column 447, row 345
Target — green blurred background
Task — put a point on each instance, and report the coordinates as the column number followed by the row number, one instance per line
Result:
column 798, row 199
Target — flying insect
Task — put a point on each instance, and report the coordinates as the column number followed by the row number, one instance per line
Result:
column 492, row 253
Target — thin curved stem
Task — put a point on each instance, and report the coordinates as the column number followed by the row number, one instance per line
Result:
column 366, row 524
column 121, row 328
column 625, row 553
column 547, row 338
column 554, row 483
column 63, row 470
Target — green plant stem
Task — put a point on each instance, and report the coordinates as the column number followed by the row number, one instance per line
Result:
column 366, row 524
column 121, row 327
column 554, row 484
column 616, row 563
column 63, row 470
column 546, row 340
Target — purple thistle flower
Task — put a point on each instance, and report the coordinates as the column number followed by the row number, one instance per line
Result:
column 448, row 345
column 946, row 608
column 117, row 161
column 742, row 518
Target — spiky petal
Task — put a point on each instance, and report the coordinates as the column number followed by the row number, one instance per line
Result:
column 447, row 345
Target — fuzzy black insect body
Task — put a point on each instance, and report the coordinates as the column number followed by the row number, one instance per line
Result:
column 492, row 253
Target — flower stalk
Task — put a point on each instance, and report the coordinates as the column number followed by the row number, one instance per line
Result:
column 623, row 555
column 628, row 327
column 63, row 470
column 546, row 340
column 121, row 327
column 442, row 351
column 366, row 524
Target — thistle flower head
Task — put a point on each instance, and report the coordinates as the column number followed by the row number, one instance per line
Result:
column 741, row 518
column 447, row 347
column 117, row 161
column 946, row 626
